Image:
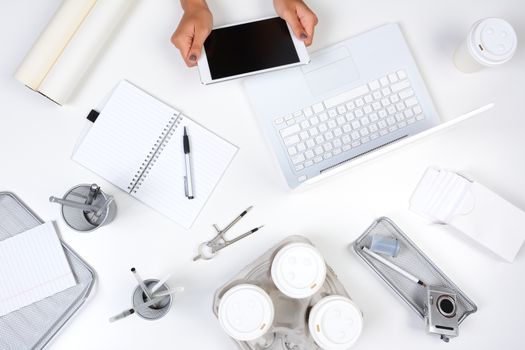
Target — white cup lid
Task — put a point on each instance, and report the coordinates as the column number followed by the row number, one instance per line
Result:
column 298, row 270
column 335, row 323
column 246, row 312
column 493, row 41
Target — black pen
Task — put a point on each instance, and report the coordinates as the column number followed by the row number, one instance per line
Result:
column 188, row 179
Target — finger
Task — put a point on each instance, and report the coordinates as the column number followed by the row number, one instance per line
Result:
column 182, row 41
column 308, row 20
column 291, row 18
column 196, row 46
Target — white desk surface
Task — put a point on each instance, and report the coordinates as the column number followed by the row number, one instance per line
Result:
column 37, row 137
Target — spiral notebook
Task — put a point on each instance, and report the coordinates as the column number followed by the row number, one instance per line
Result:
column 136, row 144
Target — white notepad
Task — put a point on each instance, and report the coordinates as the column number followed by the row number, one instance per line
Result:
column 136, row 144
column 33, row 266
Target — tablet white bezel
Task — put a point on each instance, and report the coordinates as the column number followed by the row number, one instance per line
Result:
column 300, row 48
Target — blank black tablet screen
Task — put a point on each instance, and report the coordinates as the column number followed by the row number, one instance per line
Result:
column 249, row 47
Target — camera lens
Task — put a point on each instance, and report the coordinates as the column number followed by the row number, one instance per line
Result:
column 446, row 305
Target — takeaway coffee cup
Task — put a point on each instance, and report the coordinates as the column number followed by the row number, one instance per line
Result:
column 335, row 323
column 246, row 312
column 490, row 42
column 298, row 270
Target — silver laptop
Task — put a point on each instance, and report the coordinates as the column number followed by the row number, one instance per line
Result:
column 352, row 98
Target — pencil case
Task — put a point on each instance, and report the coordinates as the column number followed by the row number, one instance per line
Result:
column 422, row 300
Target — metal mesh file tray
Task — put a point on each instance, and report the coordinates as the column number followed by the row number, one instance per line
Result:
column 414, row 261
column 33, row 326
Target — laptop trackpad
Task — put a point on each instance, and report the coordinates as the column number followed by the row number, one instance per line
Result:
column 330, row 70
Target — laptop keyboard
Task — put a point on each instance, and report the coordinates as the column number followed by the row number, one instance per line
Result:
column 349, row 120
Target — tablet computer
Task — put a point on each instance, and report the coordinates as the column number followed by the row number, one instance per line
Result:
column 247, row 48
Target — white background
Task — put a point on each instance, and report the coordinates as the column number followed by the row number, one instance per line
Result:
column 37, row 137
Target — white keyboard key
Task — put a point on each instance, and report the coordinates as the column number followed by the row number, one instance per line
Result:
column 350, row 116
column 374, row 136
column 386, row 91
column 346, row 96
column 299, row 167
column 298, row 113
column 341, row 120
column 383, row 132
column 290, row 130
column 374, row 117
column 301, row 147
column 328, row 136
column 318, row 150
column 406, row 93
column 400, row 116
column 369, row 98
column 319, row 139
column 391, row 109
column 417, row 109
column 323, row 117
column 332, row 124
column 318, row 159
column 278, row 121
column 390, row 120
column 341, row 109
column 298, row 159
column 358, row 113
column 367, row 109
column 305, row 124
column 411, row 120
column 309, row 154
column 382, row 113
column 408, row 113
column 300, row 119
column 313, row 131
column 420, row 117
column 308, row 111
column 355, row 124
column 288, row 117
column 301, row 178
column 365, row 121
column 402, row 124
column 308, row 163
column 291, row 140
column 356, row 143
column 364, row 132
column 318, row 107
column 323, row 127
column 411, row 102
column 314, row 120
column 346, row 139
column 290, row 122
column 373, row 128
column 338, row 132
column 381, row 124
column 376, row 105
column 332, row 113
column 365, row 139
column 383, row 81
column 401, row 74
column 359, row 102
column 347, row 128
column 394, row 98
column 377, row 95
column 374, row 85
column 310, row 143
column 327, row 155
column 393, row 78
column 336, row 151
column 400, row 85
column 337, row 143
column 392, row 128
column 350, row 105
column 355, row 135
column 385, row 102
column 347, row 148
column 292, row 151
column 327, row 146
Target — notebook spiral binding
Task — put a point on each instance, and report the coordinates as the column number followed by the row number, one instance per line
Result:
column 154, row 153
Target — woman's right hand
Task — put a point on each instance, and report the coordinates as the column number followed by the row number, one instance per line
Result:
column 194, row 27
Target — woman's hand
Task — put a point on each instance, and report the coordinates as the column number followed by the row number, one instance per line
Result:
column 193, row 29
column 300, row 18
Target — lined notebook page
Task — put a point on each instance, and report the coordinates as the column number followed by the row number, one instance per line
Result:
column 33, row 266
column 124, row 133
column 163, row 188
